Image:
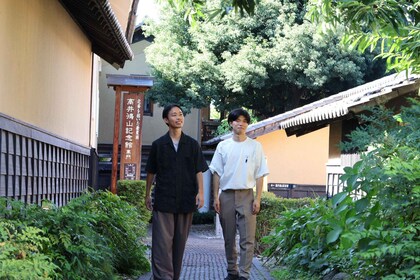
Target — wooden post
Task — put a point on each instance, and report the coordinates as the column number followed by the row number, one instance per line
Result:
column 116, row 139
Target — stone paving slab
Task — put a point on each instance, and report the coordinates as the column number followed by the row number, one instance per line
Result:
column 204, row 258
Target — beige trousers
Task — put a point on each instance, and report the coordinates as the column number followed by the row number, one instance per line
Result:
column 169, row 236
column 236, row 213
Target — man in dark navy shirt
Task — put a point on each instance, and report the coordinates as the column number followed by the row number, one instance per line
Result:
column 177, row 164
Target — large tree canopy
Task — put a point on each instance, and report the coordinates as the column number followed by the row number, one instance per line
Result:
column 270, row 62
column 394, row 25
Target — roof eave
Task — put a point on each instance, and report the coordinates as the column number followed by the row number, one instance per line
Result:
column 322, row 112
column 98, row 21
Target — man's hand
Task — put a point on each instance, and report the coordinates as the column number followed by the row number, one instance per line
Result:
column 148, row 202
column 216, row 205
column 216, row 185
column 199, row 200
column 148, row 199
column 256, row 207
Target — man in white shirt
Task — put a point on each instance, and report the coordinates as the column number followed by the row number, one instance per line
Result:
column 238, row 165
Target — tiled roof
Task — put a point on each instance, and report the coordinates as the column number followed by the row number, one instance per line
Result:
column 331, row 107
column 98, row 21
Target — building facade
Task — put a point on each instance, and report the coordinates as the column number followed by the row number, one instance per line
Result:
column 302, row 145
column 51, row 53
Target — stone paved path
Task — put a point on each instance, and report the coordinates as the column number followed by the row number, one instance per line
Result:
column 204, row 258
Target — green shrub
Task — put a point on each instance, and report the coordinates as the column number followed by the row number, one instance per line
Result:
column 134, row 192
column 384, row 225
column 204, row 218
column 73, row 245
column 95, row 236
column 123, row 227
column 299, row 238
column 77, row 248
column 287, row 274
column 372, row 235
column 271, row 208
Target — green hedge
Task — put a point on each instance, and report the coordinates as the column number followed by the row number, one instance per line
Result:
column 204, row 218
column 271, row 208
column 134, row 191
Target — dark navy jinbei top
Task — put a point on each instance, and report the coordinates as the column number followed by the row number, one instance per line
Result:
column 176, row 181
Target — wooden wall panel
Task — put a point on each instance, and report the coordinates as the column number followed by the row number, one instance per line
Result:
column 32, row 170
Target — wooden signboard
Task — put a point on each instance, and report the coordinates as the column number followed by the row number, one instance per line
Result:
column 130, row 91
column 132, row 119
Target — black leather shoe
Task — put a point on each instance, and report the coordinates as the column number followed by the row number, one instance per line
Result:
column 232, row 277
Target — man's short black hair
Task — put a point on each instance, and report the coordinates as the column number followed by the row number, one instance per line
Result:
column 168, row 108
column 236, row 113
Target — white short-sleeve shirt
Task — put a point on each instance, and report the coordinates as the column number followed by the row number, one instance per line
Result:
column 239, row 164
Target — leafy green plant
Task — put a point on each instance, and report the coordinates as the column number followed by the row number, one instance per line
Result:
column 299, row 238
column 76, row 247
column 371, row 230
column 384, row 227
column 285, row 273
column 271, row 208
column 389, row 25
column 95, row 236
column 21, row 254
column 134, row 191
column 122, row 225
